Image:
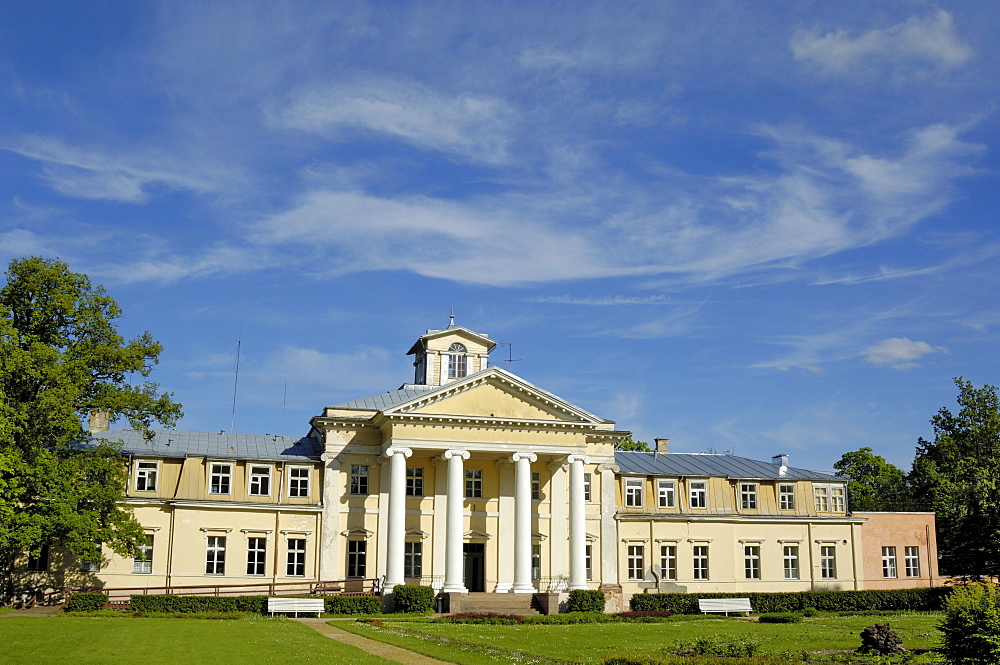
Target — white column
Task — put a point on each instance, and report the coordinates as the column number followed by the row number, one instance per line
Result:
column 397, row 517
column 522, row 522
column 454, row 566
column 577, row 524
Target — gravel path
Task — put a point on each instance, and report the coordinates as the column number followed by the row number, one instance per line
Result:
column 374, row 647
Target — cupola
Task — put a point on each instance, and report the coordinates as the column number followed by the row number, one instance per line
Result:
column 446, row 355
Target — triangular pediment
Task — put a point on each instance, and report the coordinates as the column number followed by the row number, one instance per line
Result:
column 495, row 393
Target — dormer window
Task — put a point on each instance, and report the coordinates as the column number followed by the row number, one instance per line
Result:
column 457, row 361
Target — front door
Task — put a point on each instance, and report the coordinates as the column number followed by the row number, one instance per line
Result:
column 475, row 566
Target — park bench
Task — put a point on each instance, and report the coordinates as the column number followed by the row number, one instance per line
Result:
column 726, row 605
column 296, row 605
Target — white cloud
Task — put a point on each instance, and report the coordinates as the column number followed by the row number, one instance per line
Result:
column 94, row 173
column 464, row 125
column 929, row 40
column 603, row 301
column 899, row 352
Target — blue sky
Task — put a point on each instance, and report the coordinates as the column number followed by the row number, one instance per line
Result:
column 751, row 227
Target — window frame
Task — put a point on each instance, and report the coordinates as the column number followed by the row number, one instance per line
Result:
column 666, row 494
column 633, row 492
column 828, row 562
column 635, row 557
column 357, row 560
column 413, row 559
column 458, row 361
column 699, row 555
column 296, row 490
column 145, row 477
column 821, row 498
column 255, row 478
column 911, row 560
column 890, row 567
column 358, row 481
column 749, row 496
column 668, row 562
column 588, row 560
column 473, row 483
column 698, row 488
column 256, row 556
column 536, row 561
column 587, row 487
column 215, row 555
column 790, row 561
column 142, row 561
column 225, row 473
column 39, row 563
column 414, row 481
column 786, row 496
column 295, row 557
column 751, row 561
column 536, row 486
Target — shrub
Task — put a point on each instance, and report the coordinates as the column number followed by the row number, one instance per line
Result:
column 411, row 598
column 483, row 618
column 86, row 602
column 780, row 617
column 188, row 604
column 353, row 604
column 585, row 600
column 923, row 599
column 971, row 626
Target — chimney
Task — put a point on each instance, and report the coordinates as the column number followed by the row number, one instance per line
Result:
column 99, row 420
column 780, row 460
column 662, row 445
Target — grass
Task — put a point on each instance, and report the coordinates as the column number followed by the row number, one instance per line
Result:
column 591, row 643
column 84, row 641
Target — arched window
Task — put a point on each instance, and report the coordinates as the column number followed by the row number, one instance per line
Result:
column 457, row 364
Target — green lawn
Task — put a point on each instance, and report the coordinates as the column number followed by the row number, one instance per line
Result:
column 81, row 641
column 591, row 643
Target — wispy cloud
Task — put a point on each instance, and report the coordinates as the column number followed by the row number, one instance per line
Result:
column 899, row 352
column 472, row 127
column 97, row 173
column 920, row 40
column 603, row 301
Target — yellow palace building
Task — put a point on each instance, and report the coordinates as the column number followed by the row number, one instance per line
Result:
column 473, row 480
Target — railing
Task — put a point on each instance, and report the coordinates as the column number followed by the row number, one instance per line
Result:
column 554, row 583
column 359, row 587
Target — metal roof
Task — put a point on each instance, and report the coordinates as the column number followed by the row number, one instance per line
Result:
column 708, row 464
column 386, row 400
column 176, row 443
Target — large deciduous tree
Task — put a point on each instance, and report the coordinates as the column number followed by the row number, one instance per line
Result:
column 874, row 485
column 957, row 475
column 61, row 360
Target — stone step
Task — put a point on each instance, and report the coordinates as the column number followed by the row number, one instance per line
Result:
column 499, row 603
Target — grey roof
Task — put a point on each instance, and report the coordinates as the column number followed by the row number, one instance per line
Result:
column 386, row 400
column 706, row 464
column 176, row 443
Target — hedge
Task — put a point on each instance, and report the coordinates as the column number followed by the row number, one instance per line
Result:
column 86, row 602
column 353, row 604
column 585, row 600
column 188, row 604
column 411, row 598
column 923, row 599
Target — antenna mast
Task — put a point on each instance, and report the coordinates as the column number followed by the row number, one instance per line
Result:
column 236, row 380
column 510, row 354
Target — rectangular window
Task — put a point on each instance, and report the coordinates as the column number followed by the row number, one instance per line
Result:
column 668, row 562
column 457, row 365
column 90, row 567
column 473, row 483
column 786, row 497
column 700, row 562
column 143, row 561
column 536, row 561
column 356, row 558
column 220, row 478
column 414, row 481
column 665, row 493
column 751, row 561
column 536, row 485
column 359, row 479
column 215, row 556
column 790, row 553
column 633, row 492
column 145, row 476
column 837, row 503
column 413, row 559
column 748, row 496
column 256, row 555
column 821, row 497
column 912, row 561
column 260, row 481
column 635, row 562
column 40, row 562
column 298, row 482
column 699, row 494
column 889, row 562
column 586, row 487
column 588, row 553
column 828, row 562
column 296, row 557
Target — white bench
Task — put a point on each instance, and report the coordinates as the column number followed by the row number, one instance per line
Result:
column 726, row 605
column 296, row 605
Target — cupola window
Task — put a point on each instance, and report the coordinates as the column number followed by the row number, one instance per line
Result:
column 457, row 361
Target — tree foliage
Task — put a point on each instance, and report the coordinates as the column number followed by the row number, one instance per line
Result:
column 62, row 358
column 971, row 626
column 957, row 475
column 629, row 444
column 874, row 485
